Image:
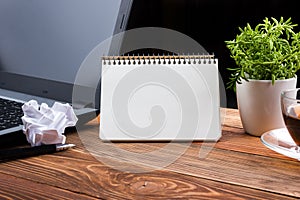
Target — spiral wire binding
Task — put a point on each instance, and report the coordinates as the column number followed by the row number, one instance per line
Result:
column 157, row 59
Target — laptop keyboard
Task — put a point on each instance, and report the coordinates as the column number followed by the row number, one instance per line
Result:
column 10, row 113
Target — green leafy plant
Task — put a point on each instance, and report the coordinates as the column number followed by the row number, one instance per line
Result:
column 270, row 51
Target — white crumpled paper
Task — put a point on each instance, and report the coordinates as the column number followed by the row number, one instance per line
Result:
column 45, row 125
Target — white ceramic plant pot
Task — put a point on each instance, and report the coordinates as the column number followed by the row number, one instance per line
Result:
column 259, row 104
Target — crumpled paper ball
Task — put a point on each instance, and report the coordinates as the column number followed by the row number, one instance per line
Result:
column 45, row 125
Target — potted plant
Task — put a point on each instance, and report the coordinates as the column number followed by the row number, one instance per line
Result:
column 267, row 58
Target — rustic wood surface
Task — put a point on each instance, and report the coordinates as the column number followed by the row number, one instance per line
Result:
column 238, row 166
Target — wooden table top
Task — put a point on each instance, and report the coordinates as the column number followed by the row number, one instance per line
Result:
column 239, row 166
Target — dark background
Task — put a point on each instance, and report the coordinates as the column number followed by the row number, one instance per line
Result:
column 211, row 22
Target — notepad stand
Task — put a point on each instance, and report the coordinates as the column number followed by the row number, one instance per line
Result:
column 160, row 98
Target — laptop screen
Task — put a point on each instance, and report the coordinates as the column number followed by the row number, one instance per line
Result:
column 43, row 43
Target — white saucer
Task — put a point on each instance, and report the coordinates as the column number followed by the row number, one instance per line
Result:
column 279, row 140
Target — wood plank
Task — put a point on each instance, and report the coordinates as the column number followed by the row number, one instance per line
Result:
column 229, row 166
column 238, row 140
column 235, row 139
column 230, row 169
column 231, row 118
column 94, row 179
column 17, row 188
column 259, row 172
column 268, row 174
column 236, row 146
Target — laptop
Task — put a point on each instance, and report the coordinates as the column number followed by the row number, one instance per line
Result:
column 43, row 44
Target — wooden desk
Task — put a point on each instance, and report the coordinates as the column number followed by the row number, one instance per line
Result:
column 237, row 167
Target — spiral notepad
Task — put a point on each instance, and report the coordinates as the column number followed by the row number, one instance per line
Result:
column 157, row 98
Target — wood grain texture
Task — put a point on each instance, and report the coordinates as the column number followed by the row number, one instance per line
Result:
column 17, row 188
column 253, row 171
column 237, row 167
column 94, row 179
column 237, row 158
column 235, row 139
